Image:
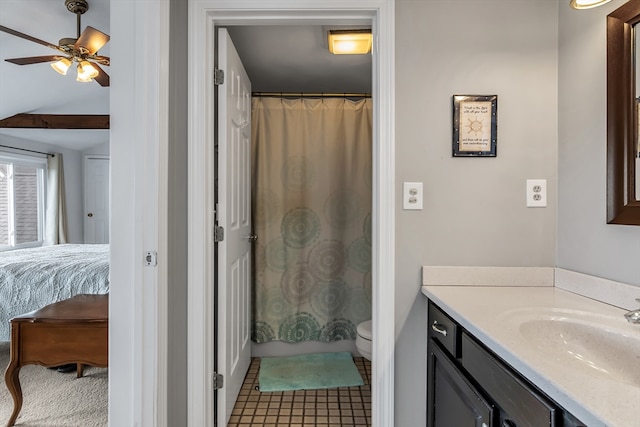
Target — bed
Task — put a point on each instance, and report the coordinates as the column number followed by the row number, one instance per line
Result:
column 34, row 277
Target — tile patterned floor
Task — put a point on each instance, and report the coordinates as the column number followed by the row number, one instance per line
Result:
column 335, row 407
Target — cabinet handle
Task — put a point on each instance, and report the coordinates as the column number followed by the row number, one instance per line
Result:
column 438, row 328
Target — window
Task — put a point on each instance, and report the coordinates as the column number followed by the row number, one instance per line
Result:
column 22, row 201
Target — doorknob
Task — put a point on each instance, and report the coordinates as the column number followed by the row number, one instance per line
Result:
column 90, row 215
column 251, row 238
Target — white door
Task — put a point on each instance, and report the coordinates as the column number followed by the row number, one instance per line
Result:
column 234, row 214
column 96, row 199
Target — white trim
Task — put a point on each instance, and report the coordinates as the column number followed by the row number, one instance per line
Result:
column 161, row 397
column 138, row 147
column 204, row 15
column 153, row 316
column 200, row 212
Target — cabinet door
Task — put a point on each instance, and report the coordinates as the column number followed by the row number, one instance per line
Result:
column 452, row 399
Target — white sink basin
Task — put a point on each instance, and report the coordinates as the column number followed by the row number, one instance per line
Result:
column 595, row 344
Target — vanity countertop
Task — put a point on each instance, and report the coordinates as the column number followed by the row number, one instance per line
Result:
column 576, row 381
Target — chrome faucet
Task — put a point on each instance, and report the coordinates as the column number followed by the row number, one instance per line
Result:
column 634, row 315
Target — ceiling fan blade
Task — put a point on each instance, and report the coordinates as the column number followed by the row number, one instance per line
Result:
column 92, row 40
column 102, row 78
column 102, row 60
column 27, row 37
column 34, row 59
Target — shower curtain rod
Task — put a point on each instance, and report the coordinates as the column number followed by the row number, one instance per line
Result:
column 309, row 95
column 31, row 151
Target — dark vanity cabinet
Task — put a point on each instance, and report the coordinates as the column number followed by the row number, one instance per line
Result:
column 469, row 386
column 453, row 399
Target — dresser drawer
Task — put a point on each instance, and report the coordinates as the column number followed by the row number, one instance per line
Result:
column 444, row 330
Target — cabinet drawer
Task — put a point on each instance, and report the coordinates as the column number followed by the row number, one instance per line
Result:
column 520, row 403
column 444, row 330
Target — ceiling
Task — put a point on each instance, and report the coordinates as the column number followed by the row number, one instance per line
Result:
column 297, row 59
column 277, row 59
column 37, row 88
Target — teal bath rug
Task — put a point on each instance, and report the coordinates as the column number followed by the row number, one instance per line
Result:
column 308, row 372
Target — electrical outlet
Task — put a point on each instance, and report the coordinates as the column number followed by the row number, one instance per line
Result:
column 536, row 193
column 412, row 196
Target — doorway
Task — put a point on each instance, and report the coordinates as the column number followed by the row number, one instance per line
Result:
column 206, row 16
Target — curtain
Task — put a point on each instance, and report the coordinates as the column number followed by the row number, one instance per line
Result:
column 312, row 170
column 56, row 213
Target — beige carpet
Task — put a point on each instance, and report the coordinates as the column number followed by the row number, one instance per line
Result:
column 54, row 399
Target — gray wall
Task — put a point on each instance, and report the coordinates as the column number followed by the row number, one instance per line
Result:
column 474, row 208
column 586, row 243
column 177, row 219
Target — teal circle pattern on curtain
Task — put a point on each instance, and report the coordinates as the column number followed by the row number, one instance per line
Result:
column 360, row 255
column 328, row 259
column 299, row 327
column 278, row 256
column 262, row 332
column 329, row 299
column 339, row 329
column 300, row 227
column 272, row 305
column 297, row 283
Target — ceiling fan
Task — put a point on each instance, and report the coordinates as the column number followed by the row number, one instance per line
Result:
column 82, row 50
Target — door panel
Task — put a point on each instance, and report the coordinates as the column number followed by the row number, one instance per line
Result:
column 96, row 200
column 234, row 252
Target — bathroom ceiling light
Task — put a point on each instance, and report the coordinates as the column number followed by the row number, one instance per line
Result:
column 586, row 4
column 350, row 42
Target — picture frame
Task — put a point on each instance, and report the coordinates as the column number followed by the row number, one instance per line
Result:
column 475, row 125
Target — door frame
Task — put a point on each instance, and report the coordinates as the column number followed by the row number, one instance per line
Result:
column 204, row 16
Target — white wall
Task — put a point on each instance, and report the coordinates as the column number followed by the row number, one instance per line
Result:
column 97, row 150
column 72, row 161
column 474, row 208
column 586, row 243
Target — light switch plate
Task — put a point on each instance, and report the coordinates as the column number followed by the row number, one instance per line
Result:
column 412, row 196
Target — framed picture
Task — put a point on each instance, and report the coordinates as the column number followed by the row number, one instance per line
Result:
column 475, row 125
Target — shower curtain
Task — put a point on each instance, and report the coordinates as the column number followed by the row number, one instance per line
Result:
column 312, row 215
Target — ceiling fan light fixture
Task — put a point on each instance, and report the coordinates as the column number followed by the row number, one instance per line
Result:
column 586, row 4
column 86, row 72
column 61, row 66
column 350, row 42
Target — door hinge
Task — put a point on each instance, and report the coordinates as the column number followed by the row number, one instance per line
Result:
column 218, row 381
column 218, row 234
column 218, row 76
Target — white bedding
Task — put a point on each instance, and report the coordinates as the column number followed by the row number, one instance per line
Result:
column 35, row 277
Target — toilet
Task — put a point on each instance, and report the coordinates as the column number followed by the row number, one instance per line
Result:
column 363, row 340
